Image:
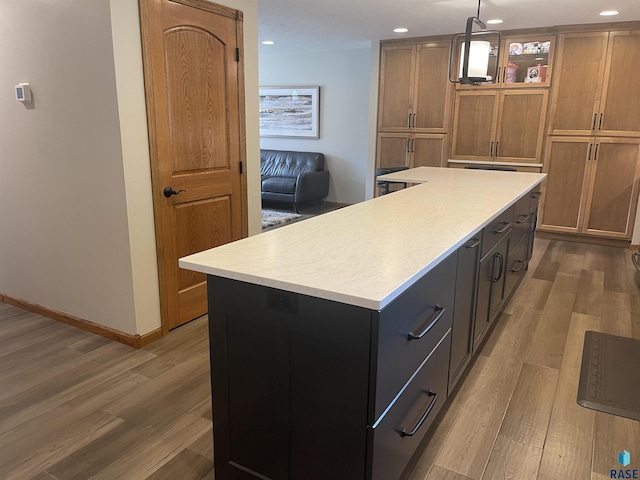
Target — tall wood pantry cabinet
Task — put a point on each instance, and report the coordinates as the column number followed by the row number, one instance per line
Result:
column 593, row 149
column 413, row 105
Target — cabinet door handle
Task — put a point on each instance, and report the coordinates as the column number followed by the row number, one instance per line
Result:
column 423, row 417
column 413, row 144
column 409, row 120
column 438, row 311
column 413, row 121
column 474, row 243
column 524, row 217
column 595, row 117
column 504, row 228
column 519, row 267
column 491, row 149
column 595, row 153
column 501, row 261
column 589, row 152
column 600, row 123
column 497, row 143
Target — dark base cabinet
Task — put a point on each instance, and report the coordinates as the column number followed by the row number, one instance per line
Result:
column 311, row 389
column 305, row 388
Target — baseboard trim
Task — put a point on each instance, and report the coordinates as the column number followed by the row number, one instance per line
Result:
column 135, row 341
column 607, row 242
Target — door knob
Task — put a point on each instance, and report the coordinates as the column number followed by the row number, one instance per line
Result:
column 168, row 191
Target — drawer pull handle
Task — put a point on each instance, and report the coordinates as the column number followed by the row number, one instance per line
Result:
column 474, row 244
column 519, row 267
column 414, row 430
column 504, row 228
column 524, row 217
column 500, row 258
column 431, row 321
column 536, row 194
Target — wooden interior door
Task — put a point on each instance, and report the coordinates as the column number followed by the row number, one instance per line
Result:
column 613, row 188
column 431, row 95
column 474, row 125
column 620, row 105
column 194, row 90
column 521, row 126
column 577, row 83
column 565, row 191
column 396, row 81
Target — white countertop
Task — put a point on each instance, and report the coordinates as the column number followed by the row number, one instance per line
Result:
column 369, row 253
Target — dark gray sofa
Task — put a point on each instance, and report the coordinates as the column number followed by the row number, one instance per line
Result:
column 294, row 177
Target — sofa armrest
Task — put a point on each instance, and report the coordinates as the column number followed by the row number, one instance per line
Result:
column 312, row 186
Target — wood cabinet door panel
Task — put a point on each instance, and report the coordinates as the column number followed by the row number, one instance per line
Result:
column 431, row 93
column 620, row 106
column 521, row 126
column 613, row 188
column 393, row 150
column 474, row 122
column 579, row 72
column 429, row 150
column 396, row 74
column 566, row 166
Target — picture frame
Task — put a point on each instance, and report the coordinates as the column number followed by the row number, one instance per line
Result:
column 292, row 112
column 533, row 75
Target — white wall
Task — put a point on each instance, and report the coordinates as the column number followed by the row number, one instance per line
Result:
column 344, row 80
column 76, row 213
column 64, row 240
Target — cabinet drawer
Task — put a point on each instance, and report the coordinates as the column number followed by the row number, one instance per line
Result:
column 521, row 216
column 397, row 436
column 498, row 228
column 424, row 310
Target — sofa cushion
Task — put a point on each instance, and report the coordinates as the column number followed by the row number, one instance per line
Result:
column 279, row 184
column 277, row 163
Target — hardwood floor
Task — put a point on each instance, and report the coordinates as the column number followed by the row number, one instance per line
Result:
column 77, row 406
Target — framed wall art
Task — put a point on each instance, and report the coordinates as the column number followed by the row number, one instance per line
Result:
column 290, row 112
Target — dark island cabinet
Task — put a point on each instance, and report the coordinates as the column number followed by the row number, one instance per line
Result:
column 464, row 311
column 305, row 388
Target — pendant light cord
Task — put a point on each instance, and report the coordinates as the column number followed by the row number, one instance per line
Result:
column 478, row 16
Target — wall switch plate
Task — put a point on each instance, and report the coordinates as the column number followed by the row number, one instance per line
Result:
column 23, row 92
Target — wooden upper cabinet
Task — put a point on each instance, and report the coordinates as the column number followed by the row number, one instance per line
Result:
column 474, row 124
column 520, row 129
column 431, row 94
column 396, row 83
column 502, row 126
column 414, row 90
column 619, row 113
column 525, row 62
column 597, row 90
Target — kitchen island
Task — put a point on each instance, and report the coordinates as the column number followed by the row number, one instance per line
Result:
column 335, row 341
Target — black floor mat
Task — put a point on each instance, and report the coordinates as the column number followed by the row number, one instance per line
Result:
column 610, row 374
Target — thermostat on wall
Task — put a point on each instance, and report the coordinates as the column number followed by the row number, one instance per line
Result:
column 23, row 92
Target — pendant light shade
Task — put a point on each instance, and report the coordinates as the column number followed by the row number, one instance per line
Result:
column 479, row 52
column 475, row 51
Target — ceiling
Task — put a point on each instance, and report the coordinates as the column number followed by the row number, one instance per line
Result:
column 320, row 25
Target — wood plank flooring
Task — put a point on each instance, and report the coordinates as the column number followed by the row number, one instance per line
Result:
column 76, row 406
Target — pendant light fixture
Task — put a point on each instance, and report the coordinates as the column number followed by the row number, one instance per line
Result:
column 475, row 52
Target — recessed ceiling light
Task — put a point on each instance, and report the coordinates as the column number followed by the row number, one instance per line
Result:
column 495, row 21
column 401, row 30
column 608, row 13
column 268, row 42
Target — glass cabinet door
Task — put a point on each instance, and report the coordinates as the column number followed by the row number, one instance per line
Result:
column 526, row 61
